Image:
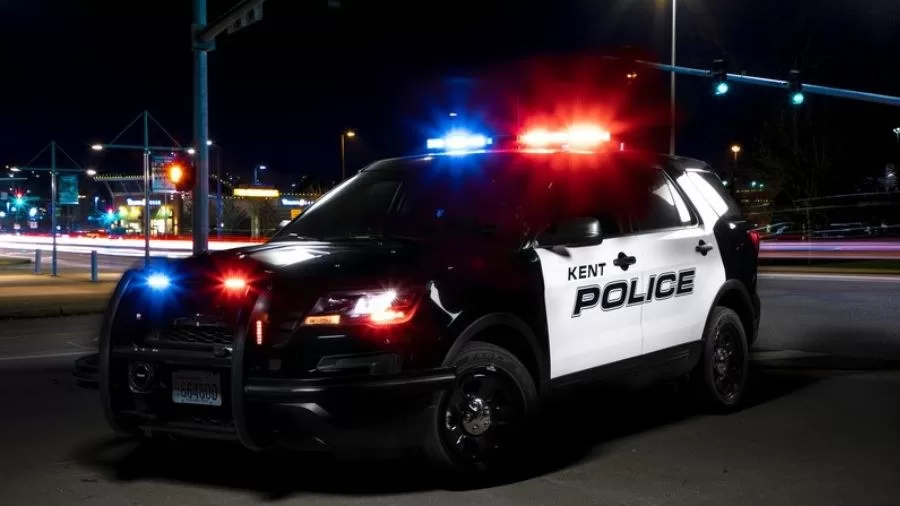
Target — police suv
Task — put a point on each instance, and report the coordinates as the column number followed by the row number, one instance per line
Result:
column 435, row 301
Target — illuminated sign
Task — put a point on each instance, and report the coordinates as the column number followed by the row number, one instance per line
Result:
column 292, row 202
column 133, row 202
column 256, row 192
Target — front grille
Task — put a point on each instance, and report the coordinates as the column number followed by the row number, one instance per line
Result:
column 211, row 335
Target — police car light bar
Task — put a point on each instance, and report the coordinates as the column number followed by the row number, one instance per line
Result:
column 457, row 141
column 577, row 136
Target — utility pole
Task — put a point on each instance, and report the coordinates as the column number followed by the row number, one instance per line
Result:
column 242, row 15
column 147, row 182
column 53, row 231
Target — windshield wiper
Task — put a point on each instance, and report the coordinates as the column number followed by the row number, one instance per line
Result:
column 297, row 237
column 369, row 237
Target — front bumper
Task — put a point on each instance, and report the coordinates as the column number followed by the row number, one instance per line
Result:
column 337, row 413
column 352, row 414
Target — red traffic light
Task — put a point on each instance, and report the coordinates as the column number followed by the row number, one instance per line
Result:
column 175, row 173
column 180, row 173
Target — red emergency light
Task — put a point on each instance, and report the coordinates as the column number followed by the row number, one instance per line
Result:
column 579, row 136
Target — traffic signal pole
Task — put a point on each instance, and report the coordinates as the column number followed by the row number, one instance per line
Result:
column 813, row 89
column 243, row 14
column 201, row 132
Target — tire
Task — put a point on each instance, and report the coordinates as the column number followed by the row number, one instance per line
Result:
column 719, row 380
column 458, row 440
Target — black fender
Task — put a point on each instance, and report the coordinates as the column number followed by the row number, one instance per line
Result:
column 512, row 321
column 750, row 318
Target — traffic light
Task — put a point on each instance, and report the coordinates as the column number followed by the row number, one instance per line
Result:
column 795, row 88
column 720, row 77
column 180, row 173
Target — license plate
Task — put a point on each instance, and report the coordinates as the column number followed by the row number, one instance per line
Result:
column 196, row 387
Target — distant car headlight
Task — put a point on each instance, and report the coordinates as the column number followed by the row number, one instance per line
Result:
column 387, row 306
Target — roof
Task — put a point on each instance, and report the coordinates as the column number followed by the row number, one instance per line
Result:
column 675, row 165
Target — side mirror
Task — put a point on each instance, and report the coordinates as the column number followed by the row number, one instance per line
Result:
column 573, row 232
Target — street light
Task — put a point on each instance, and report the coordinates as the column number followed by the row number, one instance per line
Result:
column 349, row 134
column 255, row 175
column 91, row 172
column 15, row 169
column 672, row 84
column 97, row 147
column 897, row 133
column 219, row 210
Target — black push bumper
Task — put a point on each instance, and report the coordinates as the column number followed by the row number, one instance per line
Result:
column 343, row 414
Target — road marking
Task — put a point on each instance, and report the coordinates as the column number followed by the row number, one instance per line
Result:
column 37, row 356
column 830, row 277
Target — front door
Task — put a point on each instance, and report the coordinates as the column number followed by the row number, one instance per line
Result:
column 590, row 319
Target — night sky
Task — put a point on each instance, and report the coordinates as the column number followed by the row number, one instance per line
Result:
column 282, row 91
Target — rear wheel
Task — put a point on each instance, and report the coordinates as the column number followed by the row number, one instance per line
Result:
column 720, row 377
column 480, row 423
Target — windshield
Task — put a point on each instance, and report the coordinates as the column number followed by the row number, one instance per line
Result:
column 506, row 194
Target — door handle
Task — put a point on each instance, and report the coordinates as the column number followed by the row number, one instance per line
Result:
column 623, row 261
column 703, row 248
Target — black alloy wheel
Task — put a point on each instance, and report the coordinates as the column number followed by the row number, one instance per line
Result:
column 720, row 377
column 728, row 360
column 481, row 422
column 482, row 415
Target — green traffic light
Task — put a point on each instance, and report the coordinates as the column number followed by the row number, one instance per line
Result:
column 797, row 98
column 721, row 88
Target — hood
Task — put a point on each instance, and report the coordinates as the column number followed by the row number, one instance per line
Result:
column 318, row 259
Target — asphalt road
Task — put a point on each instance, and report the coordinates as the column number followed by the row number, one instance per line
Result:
column 821, row 429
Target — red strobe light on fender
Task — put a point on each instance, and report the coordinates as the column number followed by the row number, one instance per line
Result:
column 754, row 238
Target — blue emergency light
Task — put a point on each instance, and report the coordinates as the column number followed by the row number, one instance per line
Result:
column 459, row 141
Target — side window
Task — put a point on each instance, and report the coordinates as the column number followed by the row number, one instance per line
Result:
column 665, row 207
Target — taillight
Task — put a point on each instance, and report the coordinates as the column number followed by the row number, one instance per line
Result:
column 754, row 238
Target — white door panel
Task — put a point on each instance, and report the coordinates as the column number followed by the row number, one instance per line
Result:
column 590, row 321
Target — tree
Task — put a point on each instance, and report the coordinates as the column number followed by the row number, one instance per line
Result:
column 266, row 213
column 233, row 216
column 799, row 151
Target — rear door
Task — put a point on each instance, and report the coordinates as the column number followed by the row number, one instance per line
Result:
column 681, row 267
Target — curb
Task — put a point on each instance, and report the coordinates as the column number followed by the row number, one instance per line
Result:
column 53, row 311
column 14, row 262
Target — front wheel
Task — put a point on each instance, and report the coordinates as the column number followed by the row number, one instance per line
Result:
column 720, row 377
column 480, row 423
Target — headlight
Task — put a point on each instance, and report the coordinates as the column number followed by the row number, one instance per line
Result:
column 373, row 307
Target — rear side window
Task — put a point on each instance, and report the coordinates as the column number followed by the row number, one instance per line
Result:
column 715, row 193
